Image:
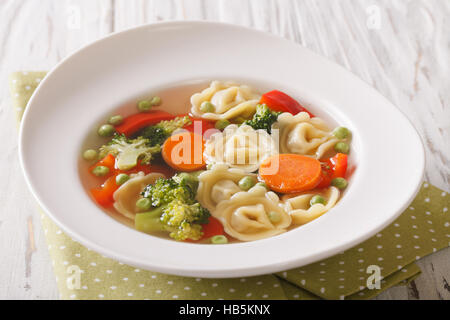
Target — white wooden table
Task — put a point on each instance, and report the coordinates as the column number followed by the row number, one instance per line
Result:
column 401, row 47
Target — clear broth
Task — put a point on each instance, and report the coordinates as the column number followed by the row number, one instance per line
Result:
column 175, row 100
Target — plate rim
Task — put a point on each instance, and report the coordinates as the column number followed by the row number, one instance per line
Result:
column 267, row 268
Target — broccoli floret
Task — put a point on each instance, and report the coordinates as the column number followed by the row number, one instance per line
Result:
column 183, row 220
column 187, row 180
column 129, row 151
column 164, row 191
column 185, row 231
column 177, row 211
column 180, row 214
column 263, row 118
column 159, row 132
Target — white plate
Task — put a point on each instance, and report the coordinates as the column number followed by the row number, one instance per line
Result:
column 87, row 86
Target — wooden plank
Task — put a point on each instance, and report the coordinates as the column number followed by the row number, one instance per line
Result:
column 400, row 47
column 392, row 45
column 35, row 35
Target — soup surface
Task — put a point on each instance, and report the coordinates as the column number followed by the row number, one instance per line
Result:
column 239, row 165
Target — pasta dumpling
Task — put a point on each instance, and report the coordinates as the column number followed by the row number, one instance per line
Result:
column 126, row 196
column 246, row 216
column 218, row 184
column 240, row 147
column 229, row 99
column 301, row 134
column 299, row 208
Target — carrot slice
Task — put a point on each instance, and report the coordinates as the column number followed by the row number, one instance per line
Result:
column 184, row 151
column 290, row 173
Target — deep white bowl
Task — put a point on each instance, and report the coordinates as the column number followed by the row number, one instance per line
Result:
column 90, row 83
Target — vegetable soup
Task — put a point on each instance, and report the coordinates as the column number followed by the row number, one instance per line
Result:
column 242, row 165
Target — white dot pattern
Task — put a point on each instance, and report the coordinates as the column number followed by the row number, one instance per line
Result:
column 397, row 247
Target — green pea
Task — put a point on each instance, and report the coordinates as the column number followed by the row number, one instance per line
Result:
column 115, row 120
column 143, row 204
column 274, row 216
column 207, row 106
column 222, row 124
column 144, row 105
column 156, row 101
column 246, row 183
column 220, row 239
column 90, row 155
column 341, row 132
column 342, row 147
column 339, row 183
column 100, row 171
column 262, row 184
column 317, row 199
column 106, row 130
column 122, row 178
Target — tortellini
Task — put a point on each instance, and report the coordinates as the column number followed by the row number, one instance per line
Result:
column 229, row 99
column 301, row 134
column 240, row 147
column 245, row 216
column 126, row 196
column 218, row 184
column 299, row 208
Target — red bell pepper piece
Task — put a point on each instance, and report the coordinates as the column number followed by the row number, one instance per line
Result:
column 137, row 121
column 104, row 194
column 280, row 101
column 335, row 167
column 109, row 162
column 213, row 228
column 149, row 168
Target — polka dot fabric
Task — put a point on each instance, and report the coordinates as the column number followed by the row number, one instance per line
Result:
column 422, row 229
column 103, row 278
column 22, row 86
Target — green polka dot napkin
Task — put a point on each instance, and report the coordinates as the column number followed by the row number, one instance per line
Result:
column 422, row 229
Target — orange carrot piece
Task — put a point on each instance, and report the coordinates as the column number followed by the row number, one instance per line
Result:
column 290, row 173
column 184, row 151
